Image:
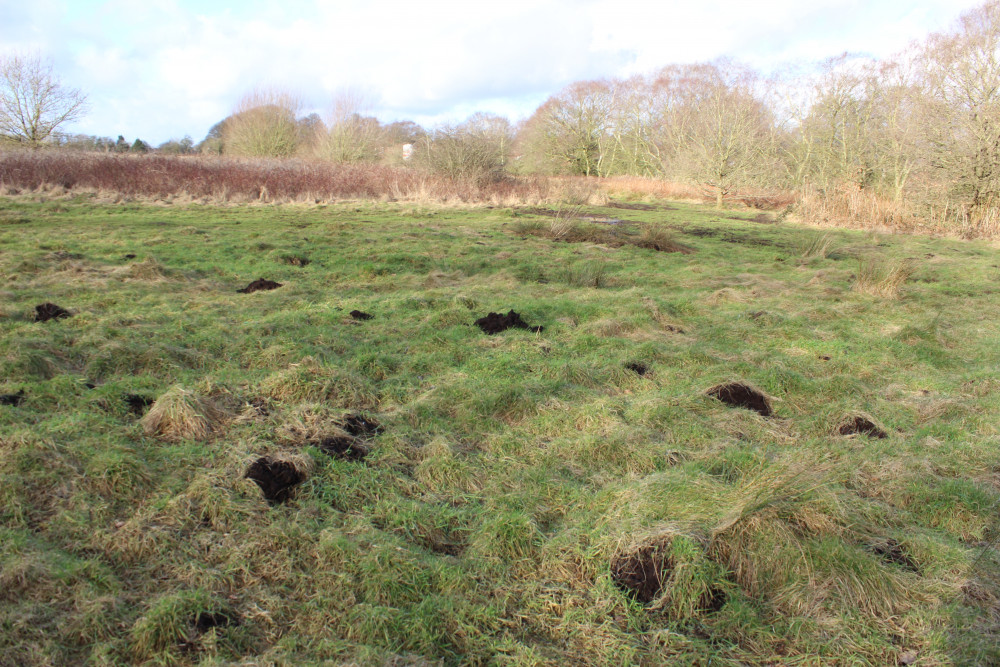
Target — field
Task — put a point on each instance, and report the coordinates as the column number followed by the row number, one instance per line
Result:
column 579, row 494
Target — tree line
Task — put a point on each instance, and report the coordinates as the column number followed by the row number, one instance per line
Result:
column 919, row 132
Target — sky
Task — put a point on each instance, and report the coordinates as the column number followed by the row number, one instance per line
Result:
column 163, row 69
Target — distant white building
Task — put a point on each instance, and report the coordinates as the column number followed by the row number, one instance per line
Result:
column 407, row 151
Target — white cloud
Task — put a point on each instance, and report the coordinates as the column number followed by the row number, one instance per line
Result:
column 165, row 68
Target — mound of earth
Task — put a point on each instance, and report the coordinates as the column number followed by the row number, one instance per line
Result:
column 643, row 572
column 361, row 426
column 494, row 323
column 862, row 425
column 360, row 315
column 50, row 311
column 343, row 447
column 276, row 479
column 12, row 399
column 739, row 395
column 137, row 403
column 259, row 285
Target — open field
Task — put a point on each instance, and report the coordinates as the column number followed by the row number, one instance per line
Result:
column 574, row 495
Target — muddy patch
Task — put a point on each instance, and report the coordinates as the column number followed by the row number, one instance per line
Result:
column 50, row 311
column 637, row 367
column 259, row 285
column 12, row 399
column 892, row 552
column 343, row 447
column 276, row 479
column 494, row 323
column 739, row 395
column 860, row 425
column 361, row 315
column 137, row 403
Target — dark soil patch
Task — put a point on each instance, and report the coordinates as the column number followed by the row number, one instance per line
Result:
column 343, row 447
column 361, row 315
column 891, row 551
column 277, row 479
column 137, row 403
column 643, row 572
column 739, row 395
column 50, row 311
column 12, row 399
column 206, row 620
column 637, row 367
column 361, row 426
column 130, row 255
column 259, row 285
column 824, row 357
column 861, row 425
column 494, row 323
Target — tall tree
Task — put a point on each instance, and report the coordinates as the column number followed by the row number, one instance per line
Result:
column 33, row 102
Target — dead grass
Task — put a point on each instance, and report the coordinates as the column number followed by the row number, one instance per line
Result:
column 882, row 277
column 181, row 414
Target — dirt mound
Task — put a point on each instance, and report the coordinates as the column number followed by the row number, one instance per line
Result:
column 206, row 620
column 259, row 285
column 12, row 399
column 637, row 367
column 276, row 479
column 361, row 426
column 642, row 572
column 891, row 551
column 137, row 403
column 494, row 323
column 863, row 425
column 343, row 447
column 130, row 255
column 360, row 315
column 739, row 395
column 50, row 311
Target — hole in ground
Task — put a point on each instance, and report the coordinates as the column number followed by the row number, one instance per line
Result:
column 205, row 620
column 739, row 395
column 361, row 315
column 637, row 367
column 137, row 403
column 891, row 551
column 50, row 311
column 276, row 479
column 642, row 572
column 861, row 425
column 259, row 285
column 361, row 426
column 12, row 399
column 343, row 447
column 494, row 323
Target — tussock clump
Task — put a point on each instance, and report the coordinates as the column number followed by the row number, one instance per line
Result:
column 50, row 311
column 180, row 414
column 660, row 239
column 881, row 277
column 147, row 269
column 861, row 425
column 740, row 395
column 259, row 285
column 311, row 381
column 277, row 478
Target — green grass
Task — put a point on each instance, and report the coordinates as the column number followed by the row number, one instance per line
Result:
column 513, row 470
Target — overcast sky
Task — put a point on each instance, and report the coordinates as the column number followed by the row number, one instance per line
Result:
column 162, row 69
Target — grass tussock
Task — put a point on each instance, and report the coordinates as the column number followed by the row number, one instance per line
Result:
column 181, row 414
column 882, row 277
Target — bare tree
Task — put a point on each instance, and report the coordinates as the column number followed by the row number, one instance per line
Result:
column 33, row 103
column 476, row 150
column 353, row 137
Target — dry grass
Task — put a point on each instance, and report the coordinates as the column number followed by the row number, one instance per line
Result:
column 879, row 276
column 181, row 414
